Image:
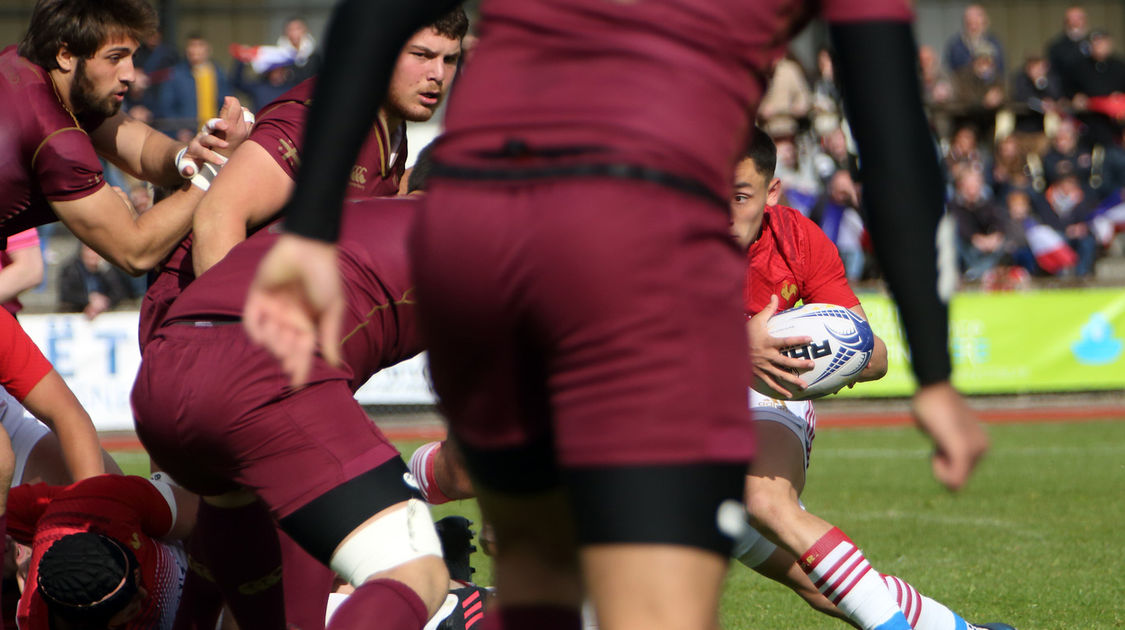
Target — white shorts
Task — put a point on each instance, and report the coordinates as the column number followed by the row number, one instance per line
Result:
column 798, row 415
column 24, row 431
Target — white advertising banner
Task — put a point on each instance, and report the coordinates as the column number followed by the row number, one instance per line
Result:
column 99, row 361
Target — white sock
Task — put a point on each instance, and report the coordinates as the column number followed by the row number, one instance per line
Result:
column 841, row 572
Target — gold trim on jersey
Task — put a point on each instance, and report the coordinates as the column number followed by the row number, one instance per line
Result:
column 52, row 135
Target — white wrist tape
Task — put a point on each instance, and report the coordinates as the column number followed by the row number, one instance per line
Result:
column 393, row 540
column 203, row 174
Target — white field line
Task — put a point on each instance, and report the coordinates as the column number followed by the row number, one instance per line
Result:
column 908, row 453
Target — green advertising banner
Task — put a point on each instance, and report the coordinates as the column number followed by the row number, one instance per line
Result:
column 1036, row 341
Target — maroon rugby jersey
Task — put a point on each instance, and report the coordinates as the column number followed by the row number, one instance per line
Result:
column 670, row 85
column 280, row 130
column 378, row 168
column 128, row 509
column 379, row 325
column 794, row 260
column 45, row 155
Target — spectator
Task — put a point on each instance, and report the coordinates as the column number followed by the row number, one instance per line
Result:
column 1069, row 49
column 21, row 268
column 827, row 105
column 194, row 91
column 1065, row 156
column 1009, row 167
column 937, row 90
column 800, row 185
column 981, row 225
column 1068, row 210
column 835, row 155
column 1035, row 92
column 963, row 153
column 296, row 40
column 153, row 64
column 978, row 89
column 90, row 285
column 267, row 86
column 1100, row 81
column 837, row 214
column 974, row 35
column 1019, row 213
column 787, row 99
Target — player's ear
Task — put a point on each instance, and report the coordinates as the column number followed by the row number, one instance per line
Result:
column 66, row 59
column 773, row 193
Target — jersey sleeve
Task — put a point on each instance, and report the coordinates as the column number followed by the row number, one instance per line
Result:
column 823, row 276
column 280, row 131
column 26, row 503
column 23, row 240
column 22, row 365
column 132, row 497
column 843, row 11
column 66, row 166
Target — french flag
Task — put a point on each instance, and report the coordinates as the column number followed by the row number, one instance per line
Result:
column 1050, row 249
column 1109, row 218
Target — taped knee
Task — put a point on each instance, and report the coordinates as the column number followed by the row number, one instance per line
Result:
column 393, row 540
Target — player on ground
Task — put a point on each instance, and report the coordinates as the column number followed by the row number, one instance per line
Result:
column 576, row 277
column 790, row 261
column 97, row 556
column 213, row 411
column 60, row 98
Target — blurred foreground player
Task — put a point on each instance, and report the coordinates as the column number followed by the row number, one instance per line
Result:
column 790, row 260
column 214, row 411
column 577, row 286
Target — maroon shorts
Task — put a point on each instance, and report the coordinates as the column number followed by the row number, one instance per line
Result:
column 599, row 316
column 215, row 412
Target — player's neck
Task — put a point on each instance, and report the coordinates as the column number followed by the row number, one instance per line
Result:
column 62, row 82
column 390, row 123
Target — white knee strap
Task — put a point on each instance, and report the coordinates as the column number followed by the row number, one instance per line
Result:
column 395, row 539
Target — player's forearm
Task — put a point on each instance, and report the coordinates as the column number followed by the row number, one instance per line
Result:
column 52, row 402
column 363, row 42
column 157, row 231
column 158, row 160
column 25, row 272
column 877, row 366
column 903, row 190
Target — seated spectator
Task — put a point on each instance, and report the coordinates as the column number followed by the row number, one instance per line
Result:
column 800, row 185
column 1035, row 93
column 267, row 86
column 978, row 90
column 1066, row 156
column 835, row 155
column 974, row 34
column 827, row 105
column 1100, row 84
column 937, row 90
column 787, row 100
column 963, row 153
column 1068, row 210
column 90, row 285
column 836, row 212
column 1009, row 167
column 1069, row 49
column 1019, row 213
column 981, row 225
column 194, row 92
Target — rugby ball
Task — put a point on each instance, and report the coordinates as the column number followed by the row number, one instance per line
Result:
column 842, row 344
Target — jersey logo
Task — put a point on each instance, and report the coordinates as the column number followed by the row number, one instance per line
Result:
column 288, row 153
column 359, row 176
column 788, row 292
column 263, row 583
column 135, row 542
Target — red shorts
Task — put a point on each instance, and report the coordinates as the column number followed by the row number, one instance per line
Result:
column 598, row 315
column 216, row 413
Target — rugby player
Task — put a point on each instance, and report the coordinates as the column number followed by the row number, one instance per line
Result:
column 61, row 91
column 100, row 556
column 214, row 411
column 576, row 279
column 790, row 260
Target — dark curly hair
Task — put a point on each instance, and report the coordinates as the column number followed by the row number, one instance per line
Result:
column 83, row 26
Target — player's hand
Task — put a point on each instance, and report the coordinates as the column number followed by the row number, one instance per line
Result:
column 959, row 440
column 217, row 138
column 295, row 301
column 775, row 374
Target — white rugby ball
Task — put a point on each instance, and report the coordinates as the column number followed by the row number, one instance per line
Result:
column 842, row 344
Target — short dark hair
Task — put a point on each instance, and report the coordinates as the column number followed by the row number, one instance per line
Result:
column 453, row 25
column 83, row 26
column 763, row 151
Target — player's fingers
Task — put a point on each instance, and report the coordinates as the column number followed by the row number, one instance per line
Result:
column 771, row 308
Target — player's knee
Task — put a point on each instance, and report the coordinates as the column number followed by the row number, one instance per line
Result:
column 769, row 509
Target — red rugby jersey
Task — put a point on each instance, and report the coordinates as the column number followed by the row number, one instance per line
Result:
column 794, row 260
column 128, row 509
column 22, row 365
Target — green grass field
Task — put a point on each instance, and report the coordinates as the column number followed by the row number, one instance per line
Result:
column 1034, row 540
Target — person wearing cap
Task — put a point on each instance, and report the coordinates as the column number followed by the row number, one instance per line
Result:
column 101, row 552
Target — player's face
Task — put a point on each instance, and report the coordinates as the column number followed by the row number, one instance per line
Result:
column 100, row 82
column 752, row 191
column 422, row 75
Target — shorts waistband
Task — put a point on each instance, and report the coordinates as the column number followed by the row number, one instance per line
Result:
column 204, row 323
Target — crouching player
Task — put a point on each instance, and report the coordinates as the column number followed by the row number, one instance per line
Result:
column 216, row 413
column 791, row 260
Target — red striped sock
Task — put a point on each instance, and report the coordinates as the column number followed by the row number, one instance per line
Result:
column 422, row 467
column 922, row 612
column 841, row 572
